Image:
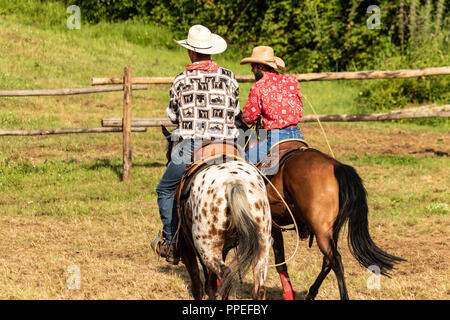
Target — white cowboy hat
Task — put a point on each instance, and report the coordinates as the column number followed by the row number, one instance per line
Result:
column 265, row 55
column 201, row 40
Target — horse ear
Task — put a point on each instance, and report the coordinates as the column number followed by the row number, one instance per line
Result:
column 165, row 132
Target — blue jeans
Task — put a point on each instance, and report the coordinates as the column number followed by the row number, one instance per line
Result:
column 258, row 152
column 180, row 157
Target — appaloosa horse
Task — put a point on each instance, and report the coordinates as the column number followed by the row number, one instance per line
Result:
column 323, row 195
column 225, row 206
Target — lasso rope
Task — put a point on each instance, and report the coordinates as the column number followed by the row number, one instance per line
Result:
column 292, row 216
column 320, row 124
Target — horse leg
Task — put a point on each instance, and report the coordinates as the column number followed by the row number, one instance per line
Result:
column 260, row 273
column 331, row 261
column 189, row 258
column 216, row 269
column 314, row 289
column 338, row 268
column 224, row 257
column 205, row 276
column 211, row 286
column 211, row 281
column 259, row 277
column 278, row 251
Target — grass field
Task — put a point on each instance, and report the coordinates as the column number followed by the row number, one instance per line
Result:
column 62, row 202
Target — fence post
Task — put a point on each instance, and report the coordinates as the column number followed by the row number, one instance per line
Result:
column 126, row 125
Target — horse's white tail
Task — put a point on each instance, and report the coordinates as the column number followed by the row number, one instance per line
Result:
column 248, row 249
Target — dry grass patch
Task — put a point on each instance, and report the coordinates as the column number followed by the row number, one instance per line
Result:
column 113, row 256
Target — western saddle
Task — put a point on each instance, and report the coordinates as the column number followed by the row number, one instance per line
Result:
column 278, row 154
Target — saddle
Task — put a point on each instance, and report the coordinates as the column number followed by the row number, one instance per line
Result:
column 278, row 154
column 211, row 152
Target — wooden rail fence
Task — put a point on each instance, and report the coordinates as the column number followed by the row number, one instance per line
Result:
column 125, row 128
column 42, row 132
column 65, row 92
column 322, row 76
column 127, row 84
column 395, row 115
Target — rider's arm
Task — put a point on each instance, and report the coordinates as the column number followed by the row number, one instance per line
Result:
column 172, row 113
column 172, row 110
column 252, row 109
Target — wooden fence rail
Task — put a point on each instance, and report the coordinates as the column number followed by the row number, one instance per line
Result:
column 322, row 76
column 64, row 92
column 41, row 132
column 156, row 122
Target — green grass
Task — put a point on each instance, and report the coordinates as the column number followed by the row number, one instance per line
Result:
column 404, row 188
column 43, row 53
column 391, row 160
column 62, row 194
column 73, row 188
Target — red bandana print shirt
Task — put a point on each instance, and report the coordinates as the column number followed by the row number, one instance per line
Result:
column 276, row 98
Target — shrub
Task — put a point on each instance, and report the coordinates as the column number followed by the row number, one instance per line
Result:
column 426, row 46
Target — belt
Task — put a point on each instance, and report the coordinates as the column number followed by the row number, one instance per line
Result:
column 291, row 126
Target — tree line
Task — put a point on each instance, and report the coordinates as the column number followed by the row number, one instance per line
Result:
column 317, row 35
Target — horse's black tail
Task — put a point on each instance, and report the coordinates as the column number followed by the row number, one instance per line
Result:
column 353, row 206
column 247, row 230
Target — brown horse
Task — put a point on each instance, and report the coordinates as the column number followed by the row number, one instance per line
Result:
column 323, row 194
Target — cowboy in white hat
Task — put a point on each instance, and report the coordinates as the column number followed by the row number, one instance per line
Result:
column 275, row 98
column 204, row 99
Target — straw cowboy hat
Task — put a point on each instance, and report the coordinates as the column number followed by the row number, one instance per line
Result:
column 265, row 55
column 201, row 40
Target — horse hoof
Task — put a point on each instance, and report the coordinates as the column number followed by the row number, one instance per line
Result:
column 288, row 295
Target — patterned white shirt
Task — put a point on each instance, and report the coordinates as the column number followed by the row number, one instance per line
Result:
column 204, row 104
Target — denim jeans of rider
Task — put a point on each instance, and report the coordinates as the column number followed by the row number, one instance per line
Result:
column 180, row 158
column 258, row 152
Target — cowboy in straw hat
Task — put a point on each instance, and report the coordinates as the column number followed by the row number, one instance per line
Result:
column 275, row 98
column 193, row 94
column 265, row 55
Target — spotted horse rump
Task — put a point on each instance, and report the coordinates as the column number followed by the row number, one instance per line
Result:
column 227, row 207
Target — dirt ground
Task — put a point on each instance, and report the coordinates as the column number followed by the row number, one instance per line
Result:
column 382, row 140
column 114, row 260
